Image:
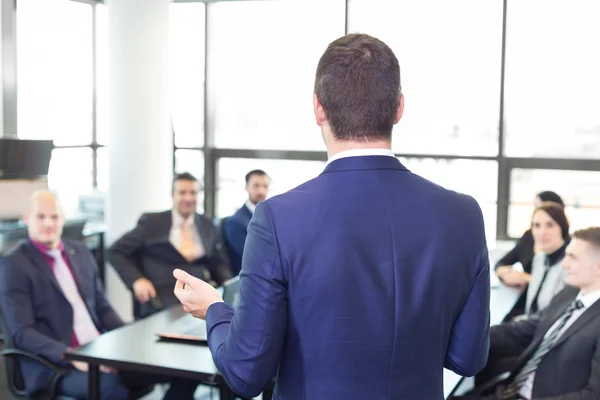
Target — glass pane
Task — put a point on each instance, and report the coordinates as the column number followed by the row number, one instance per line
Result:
column 102, row 165
column 54, row 66
column 478, row 179
column 263, row 58
column 70, row 174
column 192, row 161
column 580, row 190
column 186, row 48
column 102, row 85
column 285, row 175
column 450, row 68
column 552, row 79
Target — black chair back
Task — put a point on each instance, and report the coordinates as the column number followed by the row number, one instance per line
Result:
column 16, row 385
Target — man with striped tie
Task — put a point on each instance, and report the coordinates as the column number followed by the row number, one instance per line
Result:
column 560, row 347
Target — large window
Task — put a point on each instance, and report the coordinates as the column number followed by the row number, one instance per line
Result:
column 55, row 89
column 552, row 79
column 70, row 175
column 186, row 47
column 241, row 85
column 580, row 190
column 262, row 62
column 54, row 61
column 450, row 70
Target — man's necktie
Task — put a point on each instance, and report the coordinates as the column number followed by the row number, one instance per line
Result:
column 83, row 326
column 187, row 247
column 513, row 388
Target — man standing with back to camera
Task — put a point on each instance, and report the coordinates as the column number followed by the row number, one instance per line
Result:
column 365, row 282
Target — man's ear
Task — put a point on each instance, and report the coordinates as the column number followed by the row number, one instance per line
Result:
column 26, row 218
column 320, row 116
column 400, row 109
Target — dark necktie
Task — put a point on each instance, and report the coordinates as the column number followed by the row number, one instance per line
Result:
column 534, row 303
column 513, row 389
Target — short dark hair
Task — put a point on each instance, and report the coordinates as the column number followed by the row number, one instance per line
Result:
column 257, row 172
column 358, row 84
column 183, row 176
column 549, row 195
column 590, row 235
column 557, row 213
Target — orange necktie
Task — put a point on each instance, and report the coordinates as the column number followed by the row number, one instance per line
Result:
column 187, row 247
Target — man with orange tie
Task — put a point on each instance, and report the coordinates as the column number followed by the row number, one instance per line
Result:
column 146, row 256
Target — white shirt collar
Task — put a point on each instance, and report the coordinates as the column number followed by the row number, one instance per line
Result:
column 360, row 153
column 589, row 299
column 178, row 219
column 251, row 206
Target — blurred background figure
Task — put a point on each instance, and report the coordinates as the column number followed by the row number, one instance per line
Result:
column 235, row 227
column 524, row 250
column 145, row 257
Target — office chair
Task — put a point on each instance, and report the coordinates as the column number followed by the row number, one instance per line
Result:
column 15, row 380
column 12, row 357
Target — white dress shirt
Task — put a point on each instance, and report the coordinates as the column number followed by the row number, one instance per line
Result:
column 588, row 300
column 251, row 206
column 360, row 153
column 175, row 234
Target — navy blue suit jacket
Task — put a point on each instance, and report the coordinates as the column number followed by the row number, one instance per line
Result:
column 235, row 230
column 38, row 315
column 361, row 283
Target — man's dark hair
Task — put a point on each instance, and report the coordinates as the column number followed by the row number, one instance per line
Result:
column 358, row 84
column 257, row 172
column 590, row 235
column 184, row 176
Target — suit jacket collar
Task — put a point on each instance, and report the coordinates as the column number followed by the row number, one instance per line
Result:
column 547, row 323
column 41, row 263
column 365, row 163
column 588, row 315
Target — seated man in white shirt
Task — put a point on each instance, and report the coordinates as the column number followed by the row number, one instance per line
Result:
column 146, row 256
column 560, row 347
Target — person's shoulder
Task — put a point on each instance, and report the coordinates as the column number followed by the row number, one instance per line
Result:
column 153, row 218
column 19, row 250
column 13, row 260
column 240, row 212
column 76, row 245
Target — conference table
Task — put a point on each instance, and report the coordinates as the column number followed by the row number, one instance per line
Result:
column 136, row 348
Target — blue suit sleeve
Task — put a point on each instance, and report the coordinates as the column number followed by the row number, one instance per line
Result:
column 469, row 344
column 247, row 343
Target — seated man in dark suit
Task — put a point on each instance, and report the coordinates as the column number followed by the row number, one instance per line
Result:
column 146, row 256
column 235, row 228
column 559, row 347
column 52, row 298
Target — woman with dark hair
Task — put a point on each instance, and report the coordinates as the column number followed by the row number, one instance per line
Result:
column 523, row 251
column 550, row 230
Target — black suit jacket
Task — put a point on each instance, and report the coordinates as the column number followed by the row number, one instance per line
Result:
column 146, row 251
column 571, row 370
column 38, row 315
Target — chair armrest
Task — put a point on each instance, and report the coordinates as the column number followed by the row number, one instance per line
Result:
column 16, row 353
column 57, row 371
